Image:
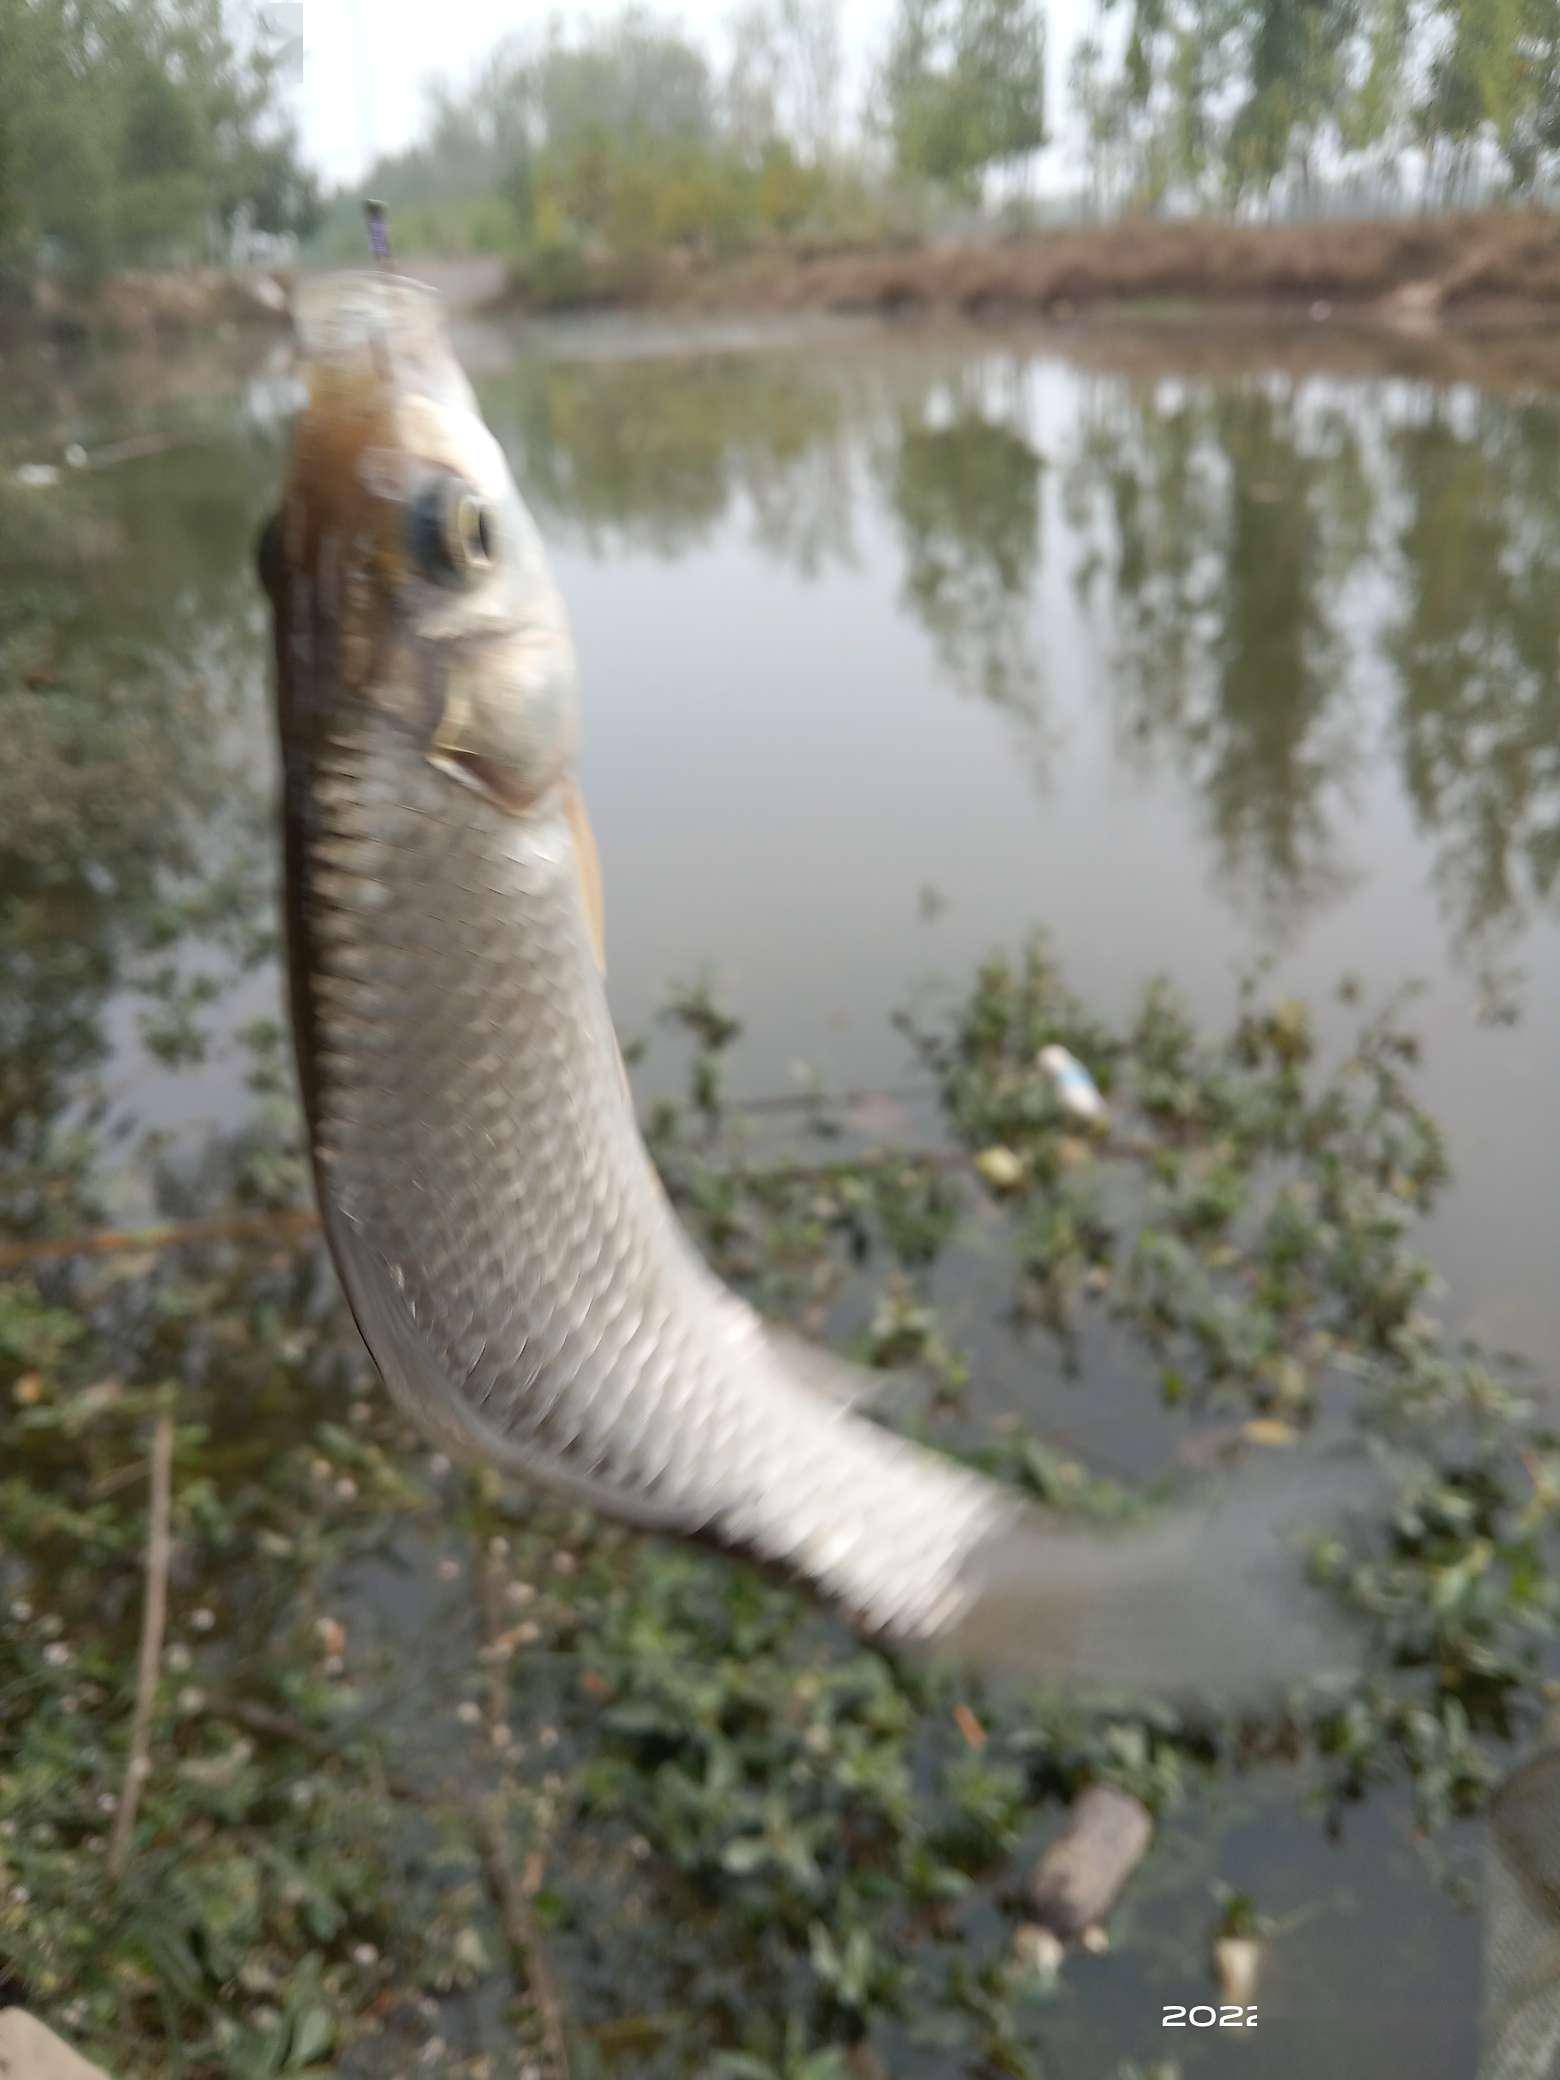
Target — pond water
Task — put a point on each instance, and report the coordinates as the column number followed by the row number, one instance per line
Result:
column 893, row 650
column 895, row 647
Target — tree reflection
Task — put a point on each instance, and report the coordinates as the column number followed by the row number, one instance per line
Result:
column 1476, row 652
column 654, row 453
column 135, row 846
column 966, row 497
column 662, row 453
column 1222, row 525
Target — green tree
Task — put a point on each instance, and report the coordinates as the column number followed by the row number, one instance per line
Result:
column 783, row 83
column 636, row 78
column 1265, row 93
column 964, row 87
column 1295, row 70
column 139, row 130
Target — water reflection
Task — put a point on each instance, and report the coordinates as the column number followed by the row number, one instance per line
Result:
column 662, row 455
column 135, row 844
column 1293, row 589
column 1220, row 529
column 655, row 454
column 965, row 496
column 1474, row 640
column 1251, row 551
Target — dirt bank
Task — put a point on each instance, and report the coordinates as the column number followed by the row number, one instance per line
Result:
column 1413, row 272
column 148, row 305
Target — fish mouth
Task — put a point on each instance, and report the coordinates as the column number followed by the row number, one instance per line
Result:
column 342, row 315
column 386, row 396
column 385, row 335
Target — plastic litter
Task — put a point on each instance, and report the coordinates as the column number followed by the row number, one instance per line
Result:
column 1076, row 1089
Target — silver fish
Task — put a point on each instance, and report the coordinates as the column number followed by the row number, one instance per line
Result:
column 511, row 1258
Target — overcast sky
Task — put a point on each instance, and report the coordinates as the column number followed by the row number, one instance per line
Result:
column 365, row 61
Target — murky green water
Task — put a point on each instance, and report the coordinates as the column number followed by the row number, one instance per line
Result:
column 892, row 649
column 1194, row 674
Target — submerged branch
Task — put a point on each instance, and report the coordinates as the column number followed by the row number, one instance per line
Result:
column 512, row 1897
column 154, row 1615
column 282, row 1224
column 295, row 1223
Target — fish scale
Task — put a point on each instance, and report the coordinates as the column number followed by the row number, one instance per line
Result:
column 615, row 1304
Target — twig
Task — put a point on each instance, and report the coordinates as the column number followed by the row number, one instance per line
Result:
column 511, row 1895
column 134, row 449
column 831, row 1101
column 842, row 1166
column 289, row 1223
column 629, row 2030
column 512, row 1898
column 282, row 1224
column 154, row 1615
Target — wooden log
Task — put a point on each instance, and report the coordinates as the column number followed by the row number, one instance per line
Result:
column 1078, row 1879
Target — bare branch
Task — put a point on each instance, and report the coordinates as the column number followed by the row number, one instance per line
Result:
column 154, row 1615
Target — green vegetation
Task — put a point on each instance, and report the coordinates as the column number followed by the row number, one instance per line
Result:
column 138, row 131
column 1223, row 534
column 594, row 157
column 965, row 88
column 590, row 156
column 154, row 131
column 439, row 1772
column 384, row 1682
column 1213, row 106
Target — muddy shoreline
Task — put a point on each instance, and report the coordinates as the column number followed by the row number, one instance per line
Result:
column 1475, row 295
column 147, row 307
column 1495, row 269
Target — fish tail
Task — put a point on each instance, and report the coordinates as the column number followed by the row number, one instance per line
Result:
column 1212, row 1603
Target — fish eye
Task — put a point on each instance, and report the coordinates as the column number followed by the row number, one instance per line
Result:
column 454, row 535
column 268, row 552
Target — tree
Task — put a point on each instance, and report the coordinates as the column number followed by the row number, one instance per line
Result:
column 139, row 130
column 1265, row 92
column 1101, row 104
column 783, row 82
column 965, row 88
column 636, row 78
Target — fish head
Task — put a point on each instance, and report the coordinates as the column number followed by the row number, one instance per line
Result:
column 406, row 577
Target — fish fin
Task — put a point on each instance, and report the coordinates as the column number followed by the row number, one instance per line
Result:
column 588, row 860
column 1209, row 1604
column 422, row 1391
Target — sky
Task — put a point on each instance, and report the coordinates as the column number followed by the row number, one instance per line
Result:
column 365, row 61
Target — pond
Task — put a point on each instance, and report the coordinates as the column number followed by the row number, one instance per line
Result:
column 896, row 645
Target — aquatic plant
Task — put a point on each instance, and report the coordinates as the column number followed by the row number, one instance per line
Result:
column 430, row 1764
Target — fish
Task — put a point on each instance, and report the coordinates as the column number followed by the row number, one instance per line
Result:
column 512, row 1260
